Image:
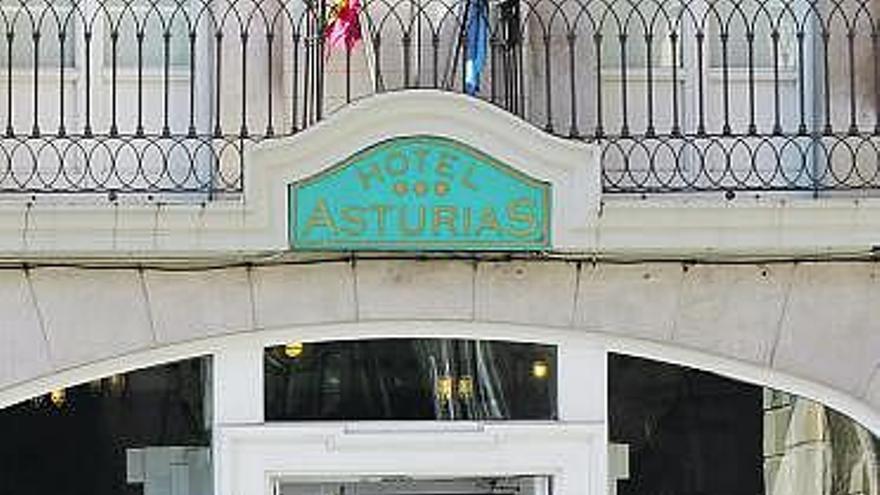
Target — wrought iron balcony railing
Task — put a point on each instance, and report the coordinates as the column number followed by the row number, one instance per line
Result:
column 166, row 96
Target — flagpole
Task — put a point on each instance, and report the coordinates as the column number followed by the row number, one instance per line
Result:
column 453, row 54
column 369, row 54
column 414, row 5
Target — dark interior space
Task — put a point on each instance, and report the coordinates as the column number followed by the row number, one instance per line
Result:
column 689, row 432
column 74, row 442
column 410, row 379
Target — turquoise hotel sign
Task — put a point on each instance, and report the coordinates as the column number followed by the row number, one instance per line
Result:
column 419, row 193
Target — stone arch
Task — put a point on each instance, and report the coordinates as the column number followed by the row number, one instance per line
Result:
column 769, row 324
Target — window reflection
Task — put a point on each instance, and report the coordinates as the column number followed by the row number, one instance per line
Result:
column 145, row 432
column 410, row 379
column 681, row 431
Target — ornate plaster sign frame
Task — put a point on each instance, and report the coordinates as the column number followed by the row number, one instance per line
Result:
column 420, row 193
column 569, row 168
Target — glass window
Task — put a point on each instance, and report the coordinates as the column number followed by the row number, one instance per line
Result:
column 761, row 18
column 146, row 432
column 153, row 18
column 676, row 430
column 640, row 23
column 410, row 379
column 57, row 24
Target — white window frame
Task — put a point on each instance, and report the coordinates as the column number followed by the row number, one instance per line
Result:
column 254, row 458
column 176, row 73
column 252, row 454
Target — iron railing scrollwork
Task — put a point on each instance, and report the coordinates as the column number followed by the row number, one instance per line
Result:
column 167, row 96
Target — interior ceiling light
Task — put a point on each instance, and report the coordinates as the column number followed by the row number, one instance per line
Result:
column 117, row 385
column 294, row 350
column 58, row 397
column 540, row 369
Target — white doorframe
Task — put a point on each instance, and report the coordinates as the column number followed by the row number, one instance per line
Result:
column 250, row 453
column 253, row 457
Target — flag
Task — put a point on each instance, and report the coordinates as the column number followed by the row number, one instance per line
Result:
column 343, row 23
column 477, row 18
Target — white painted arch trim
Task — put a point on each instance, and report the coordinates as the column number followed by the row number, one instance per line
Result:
column 740, row 370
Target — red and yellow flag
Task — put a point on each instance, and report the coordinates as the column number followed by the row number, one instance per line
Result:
column 343, row 23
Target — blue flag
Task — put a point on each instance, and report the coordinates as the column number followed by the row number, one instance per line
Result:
column 477, row 41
